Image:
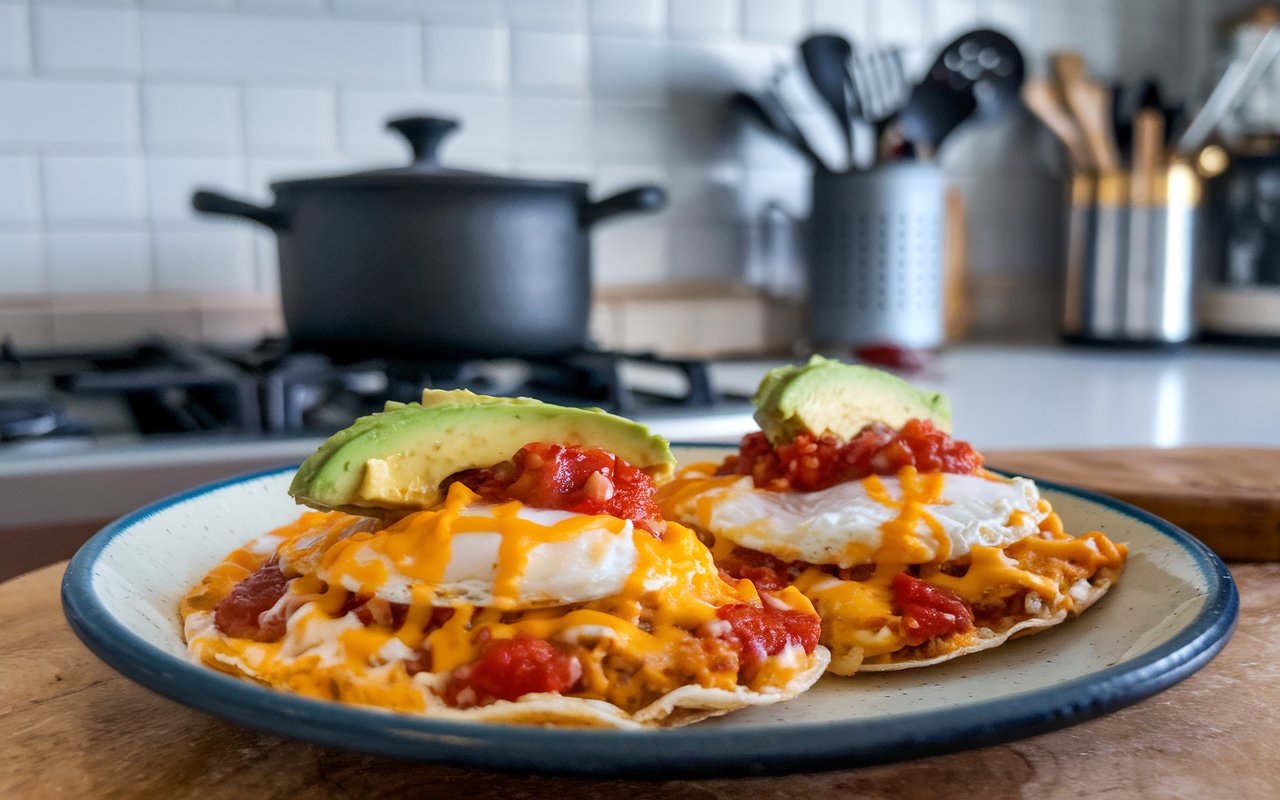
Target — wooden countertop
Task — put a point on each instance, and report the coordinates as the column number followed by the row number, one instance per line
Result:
column 72, row 727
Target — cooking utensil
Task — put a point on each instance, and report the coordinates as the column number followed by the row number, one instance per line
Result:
column 806, row 110
column 1148, row 155
column 1236, row 83
column 767, row 112
column 879, row 81
column 1041, row 97
column 1090, row 103
column 981, row 71
column 826, row 59
column 423, row 261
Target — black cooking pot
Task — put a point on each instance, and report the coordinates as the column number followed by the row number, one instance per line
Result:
column 424, row 261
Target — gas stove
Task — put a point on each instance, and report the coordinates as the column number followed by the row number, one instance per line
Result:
column 167, row 390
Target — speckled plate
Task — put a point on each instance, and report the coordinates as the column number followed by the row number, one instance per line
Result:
column 1172, row 611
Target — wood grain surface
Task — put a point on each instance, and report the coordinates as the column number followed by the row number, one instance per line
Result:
column 1228, row 497
column 71, row 727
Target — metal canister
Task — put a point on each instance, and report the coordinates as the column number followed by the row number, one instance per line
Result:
column 1130, row 266
column 875, row 256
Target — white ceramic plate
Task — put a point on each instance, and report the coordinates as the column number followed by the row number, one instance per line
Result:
column 1172, row 610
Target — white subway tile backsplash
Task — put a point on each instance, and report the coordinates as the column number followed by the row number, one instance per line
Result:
column 218, row 260
column 302, row 48
column 629, row 16
column 548, row 61
column 708, row 72
column 629, row 69
column 703, row 18
column 113, row 111
column 902, row 23
column 467, row 58
column 563, row 169
column 774, row 20
column 630, row 252
column 15, row 39
column 848, row 17
column 630, row 134
column 84, row 3
column 379, row 8
column 171, row 181
column 22, row 263
column 185, row 5
column 547, row 14
column 702, row 136
column 44, row 113
column 94, row 188
column 88, row 40
column 707, row 196
column 547, row 129
column 288, row 119
column 98, row 261
column 284, row 6
column 707, row 252
column 954, row 17
column 494, row 11
column 191, row 117
column 19, row 189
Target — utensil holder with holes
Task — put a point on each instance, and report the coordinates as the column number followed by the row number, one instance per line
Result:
column 875, row 256
column 1131, row 255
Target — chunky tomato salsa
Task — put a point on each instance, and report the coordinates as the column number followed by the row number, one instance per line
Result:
column 810, row 462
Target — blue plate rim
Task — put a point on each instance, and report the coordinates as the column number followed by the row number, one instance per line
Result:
column 692, row 752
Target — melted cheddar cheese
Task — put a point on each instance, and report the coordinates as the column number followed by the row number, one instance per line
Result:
column 652, row 636
column 1044, row 575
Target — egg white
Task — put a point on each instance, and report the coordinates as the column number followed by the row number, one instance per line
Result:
column 830, row 525
column 592, row 565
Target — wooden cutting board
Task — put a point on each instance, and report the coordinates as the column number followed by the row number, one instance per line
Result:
column 1227, row 497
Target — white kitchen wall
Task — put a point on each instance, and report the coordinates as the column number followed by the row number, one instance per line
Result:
column 111, row 111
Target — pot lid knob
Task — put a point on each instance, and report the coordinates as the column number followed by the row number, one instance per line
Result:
column 424, row 135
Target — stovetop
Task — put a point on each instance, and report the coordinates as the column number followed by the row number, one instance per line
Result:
column 167, row 389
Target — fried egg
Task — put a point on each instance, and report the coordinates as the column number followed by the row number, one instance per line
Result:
column 910, row 518
column 505, row 556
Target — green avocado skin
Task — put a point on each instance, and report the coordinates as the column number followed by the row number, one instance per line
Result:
column 826, row 395
column 429, row 443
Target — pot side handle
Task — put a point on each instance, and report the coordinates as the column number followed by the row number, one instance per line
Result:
column 648, row 198
column 213, row 203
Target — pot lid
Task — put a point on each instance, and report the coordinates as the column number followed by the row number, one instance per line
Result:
column 424, row 135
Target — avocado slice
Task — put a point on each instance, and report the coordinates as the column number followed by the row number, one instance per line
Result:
column 826, row 395
column 396, row 459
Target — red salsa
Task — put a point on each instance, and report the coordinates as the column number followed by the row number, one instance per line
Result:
column 763, row 631
column 242, row 612
column 810, row 462
column 928, row 611
column 508, row 669
column 584, row 480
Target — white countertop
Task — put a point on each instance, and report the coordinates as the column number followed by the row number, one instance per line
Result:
column 1028, row 398
column 1002, row 398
